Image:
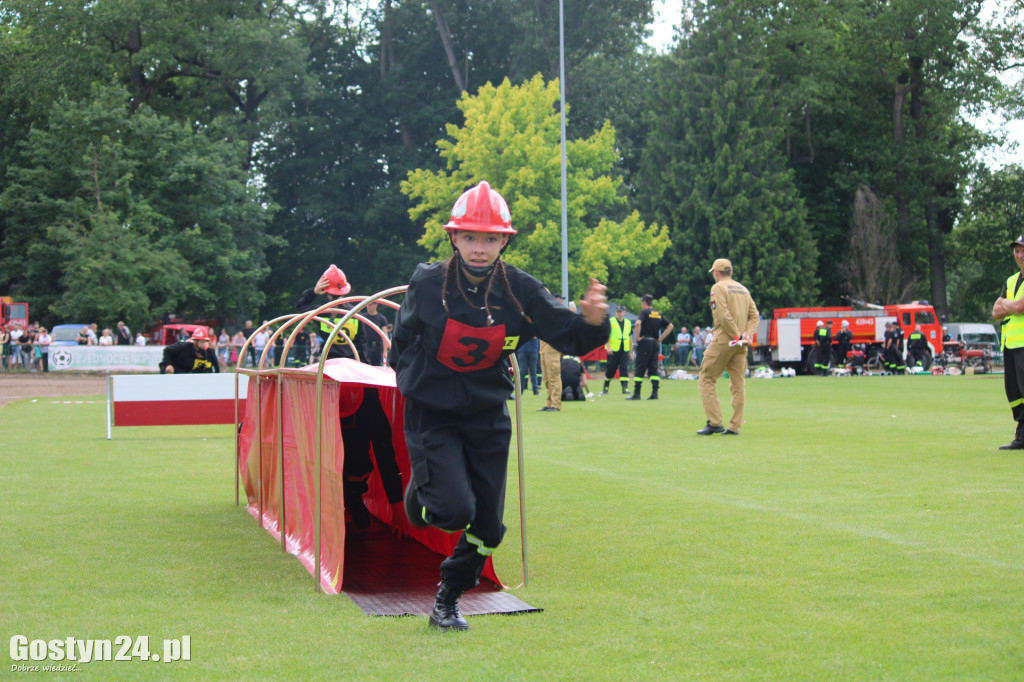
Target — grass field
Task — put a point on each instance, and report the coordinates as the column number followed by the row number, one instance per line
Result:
column 858, row 529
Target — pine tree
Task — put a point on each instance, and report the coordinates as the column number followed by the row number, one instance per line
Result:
column 715, row 169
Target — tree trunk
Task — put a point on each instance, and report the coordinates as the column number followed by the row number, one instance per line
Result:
column 937, row 261
column 446, row 40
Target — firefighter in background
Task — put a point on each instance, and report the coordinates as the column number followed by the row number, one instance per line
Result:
column 334, row 284
column 193, row 356
column 889, row 348
column 458, row 323
column 823, row 340
column 364, row 425
column 844, row 341
column 1009, row 311
column 650, row 331
column 917, row 346
column 374, row 343
column 901, row 365
column 619, row 345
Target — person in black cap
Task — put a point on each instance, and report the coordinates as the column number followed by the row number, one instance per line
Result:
column 1009, row 311
column 649, row 331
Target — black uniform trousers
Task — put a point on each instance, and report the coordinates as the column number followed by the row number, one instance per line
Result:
column 460, row 463
column 1013, row 380
column 647, row 352
column 618, row 360
column 369, row 426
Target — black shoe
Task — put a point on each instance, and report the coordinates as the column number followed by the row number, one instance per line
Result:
column 360, row 514
column 548, row 409
column 445, row 615
column 709, row 430
column 1018, row 439
column 354, row 504
column 413, row 509
column 730, row 432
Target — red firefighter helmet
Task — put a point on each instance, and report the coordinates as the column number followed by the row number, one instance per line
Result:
column 481, row 209
column 201, row 334
column 339, row 283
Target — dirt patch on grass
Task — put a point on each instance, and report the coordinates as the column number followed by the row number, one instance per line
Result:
column 19, row 385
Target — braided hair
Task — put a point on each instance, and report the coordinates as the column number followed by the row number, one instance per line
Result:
column 499, row 271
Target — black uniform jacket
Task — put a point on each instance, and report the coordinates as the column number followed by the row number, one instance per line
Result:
column 458, row 361
column 340, row 348
column 187, row 358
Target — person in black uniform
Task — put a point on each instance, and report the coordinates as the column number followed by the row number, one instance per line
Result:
column 844, row 341
column 917, row 347
column 823, row 340
column 373, row 343
column 365, row 428
column 899, row 335
column 457, row 325
column 334, row 283
column 572, row 376
column 193, row 356
column 650, row 330
column 889, row 348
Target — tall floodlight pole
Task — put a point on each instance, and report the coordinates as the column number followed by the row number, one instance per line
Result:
column 565, row 193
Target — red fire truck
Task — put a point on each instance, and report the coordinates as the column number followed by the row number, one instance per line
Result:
column 13, row 313
column 786, row 337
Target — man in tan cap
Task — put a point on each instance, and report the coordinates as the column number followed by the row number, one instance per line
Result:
column 735, row 323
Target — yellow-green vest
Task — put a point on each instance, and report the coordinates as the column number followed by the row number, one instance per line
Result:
column 351, row 328
column 1013, row 326
column 618, row 335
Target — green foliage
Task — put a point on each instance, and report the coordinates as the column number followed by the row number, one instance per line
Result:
column 511, row 139
column 981, row 256
column 714, row 171
column 117, row 216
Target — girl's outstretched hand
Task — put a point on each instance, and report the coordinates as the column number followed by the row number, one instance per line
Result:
column 594, row 305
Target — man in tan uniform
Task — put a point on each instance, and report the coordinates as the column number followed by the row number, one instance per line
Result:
column 735, row 323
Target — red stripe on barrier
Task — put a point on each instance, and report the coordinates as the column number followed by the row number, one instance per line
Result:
column 176, row 412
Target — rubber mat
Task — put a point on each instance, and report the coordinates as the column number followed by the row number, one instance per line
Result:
column 390, row 576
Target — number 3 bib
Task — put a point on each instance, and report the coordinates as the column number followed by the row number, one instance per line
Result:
column 468, row 349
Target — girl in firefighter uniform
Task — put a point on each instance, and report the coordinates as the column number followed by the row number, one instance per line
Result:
column 458, row 323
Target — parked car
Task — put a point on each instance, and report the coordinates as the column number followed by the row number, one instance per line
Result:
column 66, row 334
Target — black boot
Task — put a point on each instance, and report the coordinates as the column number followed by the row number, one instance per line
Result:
column 625, row 388
column 654, row 391
column 354, row 490
column 636, row 391
column 445, row 615
column 1018, row 439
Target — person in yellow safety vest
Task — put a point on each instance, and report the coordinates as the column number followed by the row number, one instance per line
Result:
column 1009, row 311
column 619, row 345
column 823, row 339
